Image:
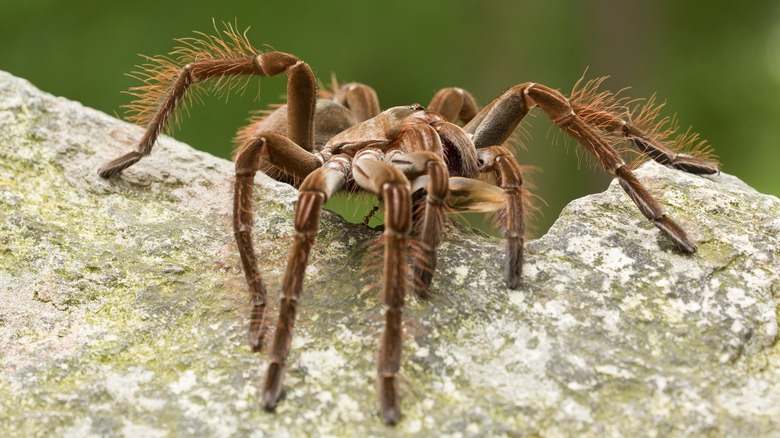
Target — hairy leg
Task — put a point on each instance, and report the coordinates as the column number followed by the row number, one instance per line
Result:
column 503, row 165
column 413, row 165
column 168, row 84
column 276, row 148
column 373, row 175
column 494, row 124
column 314, row 191
column 646, row 142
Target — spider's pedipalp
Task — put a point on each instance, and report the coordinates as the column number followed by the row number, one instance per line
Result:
column 416, row 164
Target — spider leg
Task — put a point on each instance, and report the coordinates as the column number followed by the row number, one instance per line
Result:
column 242, row 230
column 493, row 125
column 503, row 164
column 360, row 99
column 646, row 142
column 454, row 103
column 330, row 118
column 373, row 175
column 279, row 150
column 301, row 90
column 558, row 109
column 498, row 120
column 314, row 191
column 424, row 264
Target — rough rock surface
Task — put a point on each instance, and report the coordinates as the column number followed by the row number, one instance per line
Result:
column 122, row 306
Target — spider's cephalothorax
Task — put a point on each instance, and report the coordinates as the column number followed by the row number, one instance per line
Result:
column 344, row 142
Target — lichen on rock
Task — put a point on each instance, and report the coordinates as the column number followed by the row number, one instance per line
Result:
column 123, row 307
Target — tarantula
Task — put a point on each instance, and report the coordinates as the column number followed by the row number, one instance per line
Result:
column 346, row 143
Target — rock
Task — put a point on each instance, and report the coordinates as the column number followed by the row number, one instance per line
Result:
column 124, row 309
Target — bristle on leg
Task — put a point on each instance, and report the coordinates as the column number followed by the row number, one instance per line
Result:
column 117, row 165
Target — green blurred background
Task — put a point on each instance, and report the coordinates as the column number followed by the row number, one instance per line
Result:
column 715, row 63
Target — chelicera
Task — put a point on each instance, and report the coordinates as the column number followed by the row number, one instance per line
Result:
column 443, row 153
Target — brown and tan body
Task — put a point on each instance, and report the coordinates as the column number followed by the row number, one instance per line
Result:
column 347, row 143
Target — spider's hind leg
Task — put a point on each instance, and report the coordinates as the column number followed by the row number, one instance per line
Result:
column 494, row 124
column 648, row 141
column 359, row 98
column 563, row 115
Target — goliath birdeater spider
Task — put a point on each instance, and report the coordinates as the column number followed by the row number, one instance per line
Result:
column 344, row 142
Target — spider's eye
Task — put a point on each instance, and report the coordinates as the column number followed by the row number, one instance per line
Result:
column 417, row 107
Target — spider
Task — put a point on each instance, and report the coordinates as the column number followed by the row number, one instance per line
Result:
column 345, row 142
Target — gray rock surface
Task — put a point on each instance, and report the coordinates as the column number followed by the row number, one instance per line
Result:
column 123, row 308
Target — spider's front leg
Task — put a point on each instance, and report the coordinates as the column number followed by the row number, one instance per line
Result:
column 590, row 107
column 560, row 111
column 378, row 177
column 314, row 191
column 301, row 91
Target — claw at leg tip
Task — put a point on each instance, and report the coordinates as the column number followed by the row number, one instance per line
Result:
column 513, row 277
column 513, row 283
column 688, row 247
column 422, row 290
column 391, row 417
column 255, row 341
column 268, row 402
